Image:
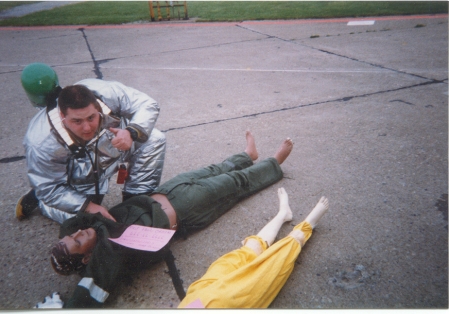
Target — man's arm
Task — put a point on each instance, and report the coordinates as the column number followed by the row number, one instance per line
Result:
column 93, row 208
column 47, row 172
column 138, row 108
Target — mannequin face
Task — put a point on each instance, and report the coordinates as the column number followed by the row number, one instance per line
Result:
column 81, row 242
column 82, row 122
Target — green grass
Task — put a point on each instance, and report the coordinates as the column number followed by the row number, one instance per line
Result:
column 273, row 10
column 89, row 12
column 118, row 12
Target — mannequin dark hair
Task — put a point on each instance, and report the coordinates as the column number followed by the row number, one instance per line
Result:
column 65, row 263
column 76, row 97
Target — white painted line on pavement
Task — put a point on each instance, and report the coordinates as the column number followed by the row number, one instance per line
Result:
column 356, row 23
column 250, row 70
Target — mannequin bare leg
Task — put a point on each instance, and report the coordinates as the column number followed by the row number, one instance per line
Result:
column 317, row 212
column 228, row 280
column 270, row 231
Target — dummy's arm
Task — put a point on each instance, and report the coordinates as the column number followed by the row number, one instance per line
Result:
column 83, row 298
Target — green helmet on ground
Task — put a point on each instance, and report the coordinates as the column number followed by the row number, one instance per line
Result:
column 40, row 83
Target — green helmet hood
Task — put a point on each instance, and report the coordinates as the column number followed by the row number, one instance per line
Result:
column 39, row 82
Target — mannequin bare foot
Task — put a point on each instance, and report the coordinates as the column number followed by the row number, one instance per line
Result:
column 271, row 229
column 251, row 146
column 318, row 211
column 284, row 150
column 284, row 207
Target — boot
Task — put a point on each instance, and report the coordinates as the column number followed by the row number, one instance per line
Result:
column 26, row 204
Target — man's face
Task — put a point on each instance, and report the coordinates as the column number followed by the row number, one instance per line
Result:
column 81, row 242
column 82, row 122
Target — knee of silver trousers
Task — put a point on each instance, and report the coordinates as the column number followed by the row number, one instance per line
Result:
column 145, row 165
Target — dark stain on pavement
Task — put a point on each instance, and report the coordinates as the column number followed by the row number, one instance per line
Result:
column 441, row 205
column 353, row 278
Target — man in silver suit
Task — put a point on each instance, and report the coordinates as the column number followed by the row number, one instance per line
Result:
column 85, row 134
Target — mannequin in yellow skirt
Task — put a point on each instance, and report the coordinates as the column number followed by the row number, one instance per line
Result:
column 252, row 276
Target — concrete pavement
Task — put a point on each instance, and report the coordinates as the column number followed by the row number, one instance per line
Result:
column 366, row 106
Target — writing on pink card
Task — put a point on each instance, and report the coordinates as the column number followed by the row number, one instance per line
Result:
column 144, row 238
column 197, row 304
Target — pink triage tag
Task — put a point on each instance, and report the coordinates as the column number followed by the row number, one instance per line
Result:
column 197, row 304
column 144, row 238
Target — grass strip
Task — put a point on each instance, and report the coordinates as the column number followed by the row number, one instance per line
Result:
column 120, row 12
column 274, row 10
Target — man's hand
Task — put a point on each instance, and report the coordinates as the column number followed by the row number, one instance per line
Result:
column 93, row 208
column 51, row 302
column 122, row 139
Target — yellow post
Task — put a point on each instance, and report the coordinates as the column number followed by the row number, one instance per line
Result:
column 186, row 17
column 167, row 7
column 159, row 15
column 150, row 4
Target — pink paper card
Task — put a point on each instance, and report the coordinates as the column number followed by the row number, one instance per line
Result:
column 144, row 238
column 197, row 304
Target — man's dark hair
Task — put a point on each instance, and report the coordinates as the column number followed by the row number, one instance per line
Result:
column 76, row 97
column 65, row 263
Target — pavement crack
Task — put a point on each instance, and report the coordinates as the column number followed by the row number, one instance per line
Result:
column 370, row 64
column 252, row 115
column 336, row 54
column 402, row 101
column 11, row 159
column 96, row 63
column 178, row 50
column 347, row 98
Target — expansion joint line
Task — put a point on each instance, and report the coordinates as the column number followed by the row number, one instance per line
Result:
column 175, row 51
column 348, row 98
column 96, row 63
column 306, row 105
column 336, row 54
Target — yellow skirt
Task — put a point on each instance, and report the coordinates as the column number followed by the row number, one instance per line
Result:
column 241, row 279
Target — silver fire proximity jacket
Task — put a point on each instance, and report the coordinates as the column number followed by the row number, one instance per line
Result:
column 64, row 182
